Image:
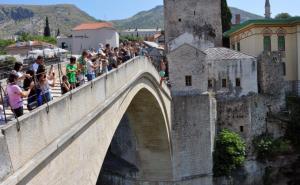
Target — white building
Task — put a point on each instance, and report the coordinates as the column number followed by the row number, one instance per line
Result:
column 87, row 36
column 140, row 32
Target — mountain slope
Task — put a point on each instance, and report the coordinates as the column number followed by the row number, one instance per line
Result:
column 31, row 18
column 155, row 18
column 146, row 19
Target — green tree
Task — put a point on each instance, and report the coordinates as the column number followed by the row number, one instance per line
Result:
column 47, row 32
column 229, row 154
column 4, row 44
column 226, row 21
column 283, row 16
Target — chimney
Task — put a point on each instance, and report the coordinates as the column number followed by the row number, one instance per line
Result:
column 237, row 19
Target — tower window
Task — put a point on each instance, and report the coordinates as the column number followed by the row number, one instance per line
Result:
column 210, row 84
column 241, row 129
column 238, row 82
column 194, row 12
column 179, row 20
column 224, row 83
column 188, row 80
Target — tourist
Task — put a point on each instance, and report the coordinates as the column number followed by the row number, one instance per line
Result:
column 82, row 67
column 91, row 68
column 15, row 94
column 39, row 61
column 43, row 86
column 18, row 71
column 65, row 85
column 32, row 98
column 162, row 72
column 71, row 72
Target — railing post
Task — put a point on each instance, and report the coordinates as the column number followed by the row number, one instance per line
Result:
column 2, row 98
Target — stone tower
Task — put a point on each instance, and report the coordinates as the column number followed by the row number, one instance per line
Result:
column 267, row 10
column 195, row 17
column 191, row 26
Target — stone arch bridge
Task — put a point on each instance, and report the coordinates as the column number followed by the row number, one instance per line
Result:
column 66, row 144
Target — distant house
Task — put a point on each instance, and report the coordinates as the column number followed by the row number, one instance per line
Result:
column 23, row 48
column 158, row 38
column 144, row 33
column 87, row 36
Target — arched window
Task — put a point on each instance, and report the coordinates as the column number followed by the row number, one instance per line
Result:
column 267, row 33
column 281, row 39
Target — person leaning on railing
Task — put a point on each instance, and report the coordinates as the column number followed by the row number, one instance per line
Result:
column 43, row 85
column 15, row 94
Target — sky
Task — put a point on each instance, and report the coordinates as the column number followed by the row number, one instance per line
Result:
column 120, row 9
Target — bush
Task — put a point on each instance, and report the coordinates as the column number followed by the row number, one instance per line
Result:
column 4, row 44
column 267, row 148
column 130, row 38
column 229, row 154
column 24, row 37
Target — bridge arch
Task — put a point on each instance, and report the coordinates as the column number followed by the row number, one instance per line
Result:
column 69, row 150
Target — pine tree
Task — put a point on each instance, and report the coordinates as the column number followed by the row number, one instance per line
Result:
column 47, row 32
column 226, row 21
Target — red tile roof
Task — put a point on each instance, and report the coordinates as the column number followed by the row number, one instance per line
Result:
column 93, row 26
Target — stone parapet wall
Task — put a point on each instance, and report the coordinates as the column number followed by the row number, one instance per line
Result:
column 43, row 134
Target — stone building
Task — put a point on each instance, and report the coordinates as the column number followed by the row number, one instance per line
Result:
column 223, row 71
column 195, row 17
column 190, row 28
column 254, row 37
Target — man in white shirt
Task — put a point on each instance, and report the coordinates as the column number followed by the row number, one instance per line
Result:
column 39, row 61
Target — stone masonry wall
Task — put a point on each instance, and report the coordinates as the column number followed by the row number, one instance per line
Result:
column 192, row 133
column 193, row 16
column 246, row 116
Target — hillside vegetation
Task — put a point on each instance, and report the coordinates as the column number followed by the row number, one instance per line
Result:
column 15, row 19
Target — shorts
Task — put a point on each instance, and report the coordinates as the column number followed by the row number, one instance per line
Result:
column 90, row 77
column 162, row 74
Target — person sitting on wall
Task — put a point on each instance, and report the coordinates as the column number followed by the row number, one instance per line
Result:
column 162, row 72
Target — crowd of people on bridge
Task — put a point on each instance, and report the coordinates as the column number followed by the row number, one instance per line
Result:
column 36, row 84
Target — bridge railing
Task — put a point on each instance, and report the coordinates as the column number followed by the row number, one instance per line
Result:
column 39, row 128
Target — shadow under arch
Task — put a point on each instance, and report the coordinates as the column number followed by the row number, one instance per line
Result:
column 140, row 150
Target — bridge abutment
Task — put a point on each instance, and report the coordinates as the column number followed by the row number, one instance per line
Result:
column 193, row 130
